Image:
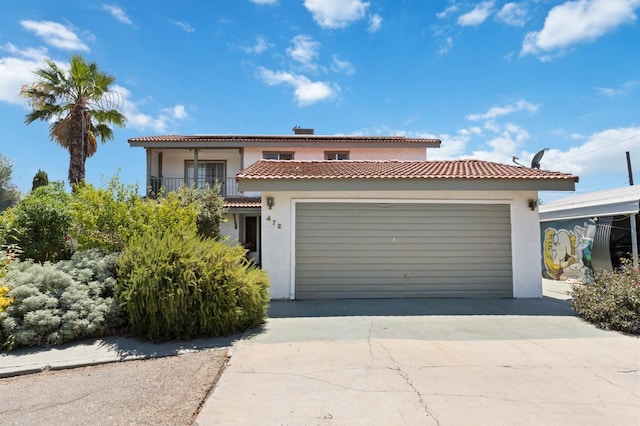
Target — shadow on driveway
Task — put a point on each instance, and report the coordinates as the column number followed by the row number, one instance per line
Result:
column 546, row 306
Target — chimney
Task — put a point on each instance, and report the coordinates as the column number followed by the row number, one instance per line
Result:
column 299, row 131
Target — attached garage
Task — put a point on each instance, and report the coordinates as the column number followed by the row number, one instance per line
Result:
column 382, row 250
column 400, row 229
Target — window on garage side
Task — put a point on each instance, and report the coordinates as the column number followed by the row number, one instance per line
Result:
column 274, row 155
column 336, row 155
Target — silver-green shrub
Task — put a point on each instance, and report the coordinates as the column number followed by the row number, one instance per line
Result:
column 612, row 300
column 57, row 303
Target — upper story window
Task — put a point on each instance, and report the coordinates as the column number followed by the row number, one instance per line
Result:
column 336, row 155
column 209, row 172
column 277, row 155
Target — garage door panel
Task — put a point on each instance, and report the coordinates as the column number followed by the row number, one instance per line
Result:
column 374, row 249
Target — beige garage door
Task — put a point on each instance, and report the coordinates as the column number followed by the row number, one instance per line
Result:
column 374, row 250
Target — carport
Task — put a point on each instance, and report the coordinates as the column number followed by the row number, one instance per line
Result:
column 400, row 229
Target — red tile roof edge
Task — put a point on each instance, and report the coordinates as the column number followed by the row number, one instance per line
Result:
column 394, row 169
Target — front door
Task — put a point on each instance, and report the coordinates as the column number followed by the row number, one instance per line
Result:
column 252, row 238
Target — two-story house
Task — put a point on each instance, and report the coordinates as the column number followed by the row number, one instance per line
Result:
column 367, row 216
column 202, row 160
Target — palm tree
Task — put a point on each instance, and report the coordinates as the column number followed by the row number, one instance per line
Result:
column 79, row 104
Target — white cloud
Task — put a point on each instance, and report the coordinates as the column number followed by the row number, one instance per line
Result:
column 499, row 111
column 184, row 25
column 478, row 15
column 342, row 66
column 260, row 45
column 304, row 50
column 336, row 13
column 602, row 152
column 620, row 91
column 306, row 92
column 160, row 123
column 118, row 13
column 179, row 112
column 55, row 34
column 448, row 11
column 445, row 46
column 512, row 13
column 264, row 1
column 578, row 21
column 375, row 22
column 17, row 69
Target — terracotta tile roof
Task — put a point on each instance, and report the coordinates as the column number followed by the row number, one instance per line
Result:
column 283, row 139
column 394, row 169
column 239, row 202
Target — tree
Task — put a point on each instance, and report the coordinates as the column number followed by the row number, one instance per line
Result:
column 80, row 105
column 40, row 179
column 9, row 194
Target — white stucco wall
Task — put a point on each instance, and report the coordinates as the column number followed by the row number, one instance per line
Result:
column 278, row 231
column 252, row 155
column 230, row 229
column 173, row 160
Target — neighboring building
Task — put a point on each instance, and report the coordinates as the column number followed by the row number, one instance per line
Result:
column 201, row 160
column 356, row 216
column 586, row 232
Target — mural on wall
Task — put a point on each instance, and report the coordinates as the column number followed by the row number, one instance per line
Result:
column 566, row 249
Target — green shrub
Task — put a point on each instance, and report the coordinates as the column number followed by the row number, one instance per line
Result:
column 209, row 205
column 57, row 303
column 174, row 284
column 612, row 300
column 107, row 218
column 40, row 179
column 41, row 224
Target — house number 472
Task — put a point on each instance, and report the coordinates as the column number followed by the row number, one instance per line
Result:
column 274, row 222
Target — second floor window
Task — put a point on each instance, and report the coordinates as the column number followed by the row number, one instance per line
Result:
column 209, row 172
column 336, row 155
column 277, row 155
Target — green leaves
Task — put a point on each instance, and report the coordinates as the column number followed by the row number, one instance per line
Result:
column 79, row 104
column 174, row 284
column 41, row 223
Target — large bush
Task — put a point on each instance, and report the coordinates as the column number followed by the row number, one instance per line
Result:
column 174, row 284
column 40, row 224
column 107, row 218
column 612, row 300
column 56, row 303
column 209, row 205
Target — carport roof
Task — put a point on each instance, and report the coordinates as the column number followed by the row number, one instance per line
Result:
column 459, row 173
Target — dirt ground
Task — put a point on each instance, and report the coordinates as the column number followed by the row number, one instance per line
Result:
column 160, row 391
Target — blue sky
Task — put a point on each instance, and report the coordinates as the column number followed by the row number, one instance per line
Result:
column 492, row 79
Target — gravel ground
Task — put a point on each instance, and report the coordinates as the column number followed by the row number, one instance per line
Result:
column 159, row 391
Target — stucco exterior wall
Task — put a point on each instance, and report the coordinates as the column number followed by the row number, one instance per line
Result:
column 173, row 160
column 278, row 233
column 253, row 155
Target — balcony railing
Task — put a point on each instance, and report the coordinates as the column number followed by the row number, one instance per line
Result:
column 228, row 186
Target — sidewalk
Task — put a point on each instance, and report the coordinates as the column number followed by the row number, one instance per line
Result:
column 98, row 351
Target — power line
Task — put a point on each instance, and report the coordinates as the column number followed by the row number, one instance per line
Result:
column 607, row 146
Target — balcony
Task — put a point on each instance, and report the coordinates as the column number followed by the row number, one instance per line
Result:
column 228, row 186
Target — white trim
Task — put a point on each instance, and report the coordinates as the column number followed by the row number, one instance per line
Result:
column 292, row 287
column 400, row 201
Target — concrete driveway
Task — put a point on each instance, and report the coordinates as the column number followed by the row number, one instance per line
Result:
column 428, row 362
